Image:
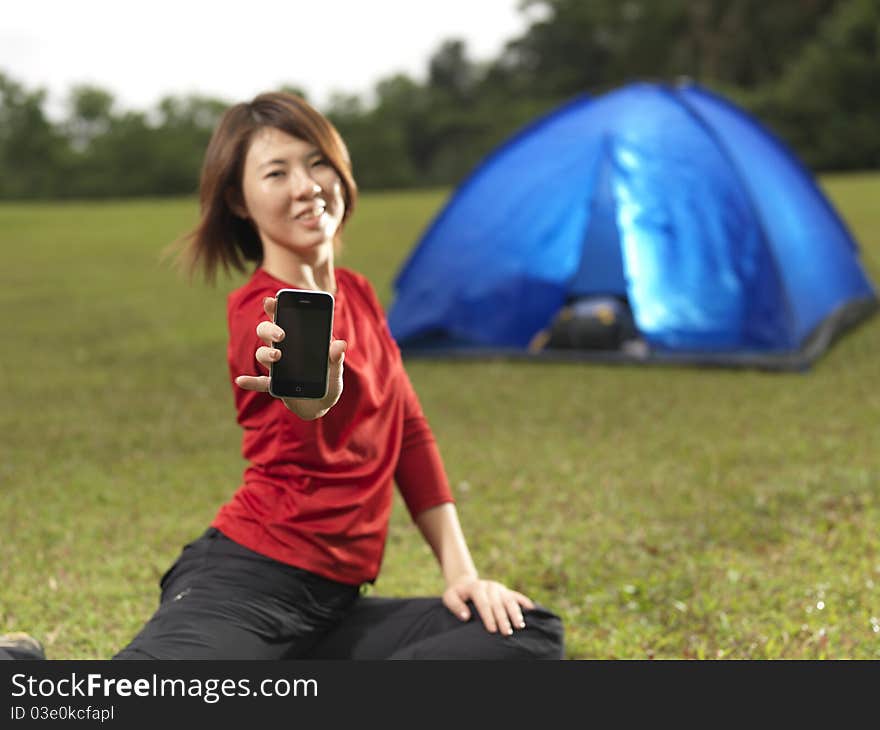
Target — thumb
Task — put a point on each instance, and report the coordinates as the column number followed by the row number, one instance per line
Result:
column 337, row 351
column 456, row 605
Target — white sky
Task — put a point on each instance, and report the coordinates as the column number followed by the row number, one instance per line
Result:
column 233, row 49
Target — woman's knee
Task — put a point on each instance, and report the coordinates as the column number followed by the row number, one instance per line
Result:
column 544, row 635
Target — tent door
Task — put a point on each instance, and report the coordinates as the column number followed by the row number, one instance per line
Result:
column 597, row 314
column 601, row 266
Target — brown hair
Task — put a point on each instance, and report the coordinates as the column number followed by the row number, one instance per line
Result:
column 222, row 238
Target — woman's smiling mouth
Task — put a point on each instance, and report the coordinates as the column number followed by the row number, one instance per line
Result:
column 311, row 217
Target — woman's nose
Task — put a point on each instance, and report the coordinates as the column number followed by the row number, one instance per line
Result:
column 305, row 187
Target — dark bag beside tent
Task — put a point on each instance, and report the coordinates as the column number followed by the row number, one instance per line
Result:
column 669, row 199
column 588, row 323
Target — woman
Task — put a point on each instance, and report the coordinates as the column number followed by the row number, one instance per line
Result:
column 278, row 574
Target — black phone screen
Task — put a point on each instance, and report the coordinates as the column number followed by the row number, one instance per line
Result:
column 306, row 318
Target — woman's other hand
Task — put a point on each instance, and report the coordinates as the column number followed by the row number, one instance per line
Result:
column 500, row 608
column 306, row 408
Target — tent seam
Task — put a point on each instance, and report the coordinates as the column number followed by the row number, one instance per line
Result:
column 675, row 93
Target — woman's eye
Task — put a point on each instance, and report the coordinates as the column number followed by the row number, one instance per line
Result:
column 275, row 173
column 320, row 162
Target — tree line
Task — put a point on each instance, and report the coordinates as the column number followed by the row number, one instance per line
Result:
column 808, row 69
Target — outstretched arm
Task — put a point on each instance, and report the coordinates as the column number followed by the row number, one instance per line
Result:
column 500, row 608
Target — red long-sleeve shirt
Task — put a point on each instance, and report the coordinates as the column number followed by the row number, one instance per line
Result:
column 318, row 494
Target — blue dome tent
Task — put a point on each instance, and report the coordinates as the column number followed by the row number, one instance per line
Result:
column 667, row 198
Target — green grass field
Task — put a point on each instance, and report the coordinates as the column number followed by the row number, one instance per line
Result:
column 663, row 512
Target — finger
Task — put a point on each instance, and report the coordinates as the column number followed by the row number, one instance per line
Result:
column 456, row 605
column 267, row 355
column 499, row 610
column 269, row 332
column 522, row 599
column 269, row 306
column 514, row 611
column 484, row 608
column 253, row 382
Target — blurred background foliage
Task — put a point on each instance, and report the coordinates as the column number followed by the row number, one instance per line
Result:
column 808, row 69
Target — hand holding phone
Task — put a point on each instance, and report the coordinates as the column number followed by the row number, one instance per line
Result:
column 273, row 334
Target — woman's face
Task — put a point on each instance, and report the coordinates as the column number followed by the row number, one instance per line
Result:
column 291, row 193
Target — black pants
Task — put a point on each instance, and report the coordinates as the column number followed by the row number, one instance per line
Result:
column 222, row 601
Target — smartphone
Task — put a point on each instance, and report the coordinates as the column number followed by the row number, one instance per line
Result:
column 307, row 320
